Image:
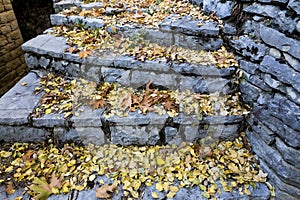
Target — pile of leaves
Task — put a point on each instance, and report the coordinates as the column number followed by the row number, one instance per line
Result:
column 146, row 12
column 65, row 95
column 84, row 41
column 50, row 169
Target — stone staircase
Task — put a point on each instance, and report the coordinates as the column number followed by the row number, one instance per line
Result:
column 208, row 74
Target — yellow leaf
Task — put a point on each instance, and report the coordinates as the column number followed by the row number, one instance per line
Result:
column 160, row 161
column 171, row 194
column 154, row 195
column 9, row 169
column 159, row 186
column 48, row 111
column 174, row 189
column 23, row 83
column 5, row 154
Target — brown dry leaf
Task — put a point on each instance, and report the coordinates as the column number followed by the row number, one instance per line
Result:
column 96, row 103
column 105, row 191
column 126, row 101
column 10, row 188
column 55, row 181
column 84, row 54
column 28, row 156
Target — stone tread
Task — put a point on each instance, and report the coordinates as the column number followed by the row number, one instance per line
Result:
column 17, row 105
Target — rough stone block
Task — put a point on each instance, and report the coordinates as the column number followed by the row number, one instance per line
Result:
column 173, row 136
column 280, row 41
column 223, row 9
column 19, row 102
column 135, row 135
column 289, row 154
column 112, row 75
column 265, row 10
column 23, row 134
column 50, row 120
column 294, row 5
column 88, row 117
column 287, row 173
column 140, row 78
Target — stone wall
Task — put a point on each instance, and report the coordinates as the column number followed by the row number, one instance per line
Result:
column 268, row 46
column 12, row 64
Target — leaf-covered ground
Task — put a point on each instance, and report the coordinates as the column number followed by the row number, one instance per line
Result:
column 65, row 95
column 149, row 13
column 46, row 169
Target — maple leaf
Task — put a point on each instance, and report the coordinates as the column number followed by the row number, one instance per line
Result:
column 96, row 103
column 105, row 191
column 43, row 189
column 170, row 105
column 84, row 54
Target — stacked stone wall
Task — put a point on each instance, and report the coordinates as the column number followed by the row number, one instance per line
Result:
column 265, row 37
column 12, row 63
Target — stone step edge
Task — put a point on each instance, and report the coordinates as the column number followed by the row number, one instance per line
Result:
column 91, row 127
column 172, row 30
column 46, row 53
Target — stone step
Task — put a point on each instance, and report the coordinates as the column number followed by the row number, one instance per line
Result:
column 47, row 54
column 190, row 31
column 92, row 126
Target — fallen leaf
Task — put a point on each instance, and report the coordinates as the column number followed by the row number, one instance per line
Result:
column 105, row 191
column 9, row 188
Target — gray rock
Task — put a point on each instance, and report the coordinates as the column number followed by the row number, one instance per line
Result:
column 112, row 75
column 88, row 117
column 73, row 70
column 282, row 72
column 265, row 116
column 58, row 19
column 188, row 26
column 91, row 72
column 289, row 154
column 274, row 83
column 274, row 53
column 249, row 67
column 284, row 23
column 140, row 78
column 229, row 29
column 197, row 2
column 293, row 95
column 23, row 134
column 46, row 45
column 251, row 28
column 294, row 5
column 173, row 136
column 205, row 85
column 57, row 66
column 290, row 191
column 135, row 135
column 50, row 120
column 257, row 81
column 293, row 62
column 223, row 9
column 250, row 93
column 286, row 172
column 44, row 62
column 248, row 48
column 261, row 9
column 280, row 41
column 17, row 104
column 266, row 134
column 31, row 61
column 298, row 26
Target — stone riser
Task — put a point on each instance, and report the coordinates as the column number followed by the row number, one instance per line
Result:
column 46, row 53
column 169, row 33
column 92, row 126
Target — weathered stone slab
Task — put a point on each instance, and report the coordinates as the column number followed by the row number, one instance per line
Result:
column 280, row 41
column 282, row 72
column 23, row 134
column 59, row 19
column 113, row 75
column 265, row 10
column 289, row 154
column 279, row 184
column 50, row 121
column 17, row 104
column 46, row 45
column 87, row 118
column 223, row 9
column 135, row 135
column 294, row 5
column 84, row 135
column 248, row 48
column 287, row 173
column 250, row 93
column 188, row 26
